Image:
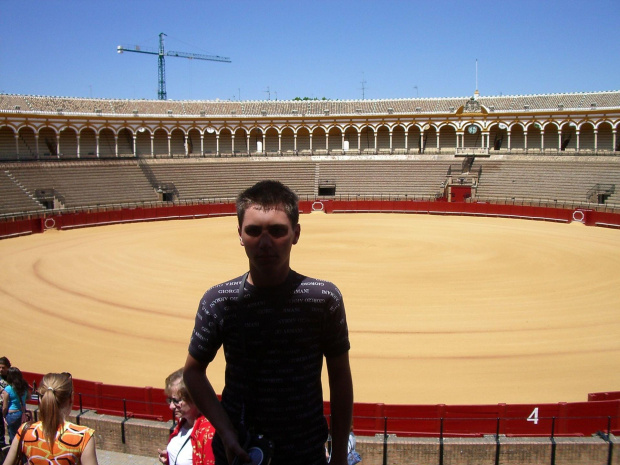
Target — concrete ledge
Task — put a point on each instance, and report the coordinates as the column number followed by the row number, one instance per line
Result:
column 142, row 437
column 487, row 451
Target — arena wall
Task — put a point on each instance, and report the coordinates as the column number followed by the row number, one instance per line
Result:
column 11, row 227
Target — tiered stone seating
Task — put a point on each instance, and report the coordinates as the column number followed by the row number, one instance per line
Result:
column 88, row 183
column 564, row 181
column 382, row 177
column 14, row 199
column 204, row 179
column 83, row 183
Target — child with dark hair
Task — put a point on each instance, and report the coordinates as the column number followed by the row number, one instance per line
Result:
column 14, row 400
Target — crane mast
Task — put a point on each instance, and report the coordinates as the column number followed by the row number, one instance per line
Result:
column 161, row 53
column 161, row 88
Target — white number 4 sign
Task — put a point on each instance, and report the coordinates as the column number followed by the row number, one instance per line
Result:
column 533, row 416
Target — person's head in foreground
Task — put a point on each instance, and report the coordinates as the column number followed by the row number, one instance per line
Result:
column 268, row 216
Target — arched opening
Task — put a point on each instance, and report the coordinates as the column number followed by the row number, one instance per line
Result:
column 143, row 143
column 383, row 139
column 68, row 143
column 367, row 140
column 107, row 146
column 48, row 143
column 303, row 140
column 88, row 143
column 318, row 140
column 125, row 143
column 447, row 137
column 534, row 138
column 472, row 137
column 605, row 137
column 177, row 143
column 288, row 141
column 7, row 143
column 226, row 141
column 414, row 139
column 398, row 139
column 350, row 140
column 27, row 143
column 568, row 137
column 271, row 141
column 193, row 143
column 517, row 137
column 241, row 142
column 551, row 137
column 335, row 139
column 586, row 137
column 210, row 142
column 498, row 137
column 160, row 143
column 256, row 141
column 429, row 139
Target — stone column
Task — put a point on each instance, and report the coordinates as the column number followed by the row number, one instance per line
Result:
column 595, row 140
column 578, row 136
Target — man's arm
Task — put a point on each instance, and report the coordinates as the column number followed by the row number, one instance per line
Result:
column 341, row 400
column 205, row 398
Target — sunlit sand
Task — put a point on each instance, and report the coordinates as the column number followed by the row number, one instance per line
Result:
column 441, row 309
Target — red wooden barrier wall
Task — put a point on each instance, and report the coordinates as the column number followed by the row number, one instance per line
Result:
column 563, row 419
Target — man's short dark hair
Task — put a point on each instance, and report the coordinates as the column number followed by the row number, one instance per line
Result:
column 268, row 195
column 5, row 361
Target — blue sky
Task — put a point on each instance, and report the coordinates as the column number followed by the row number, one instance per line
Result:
column 285, row 49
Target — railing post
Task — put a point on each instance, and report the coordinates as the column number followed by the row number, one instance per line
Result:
column 610, row 444
column 441, row 441
column 497, row 444
column 553, row 444
column 385, row 439
column 77, row 417
column 124, row 420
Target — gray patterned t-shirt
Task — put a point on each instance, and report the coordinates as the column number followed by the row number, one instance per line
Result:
column 277, row 384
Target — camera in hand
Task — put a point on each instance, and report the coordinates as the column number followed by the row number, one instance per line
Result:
column 259, row 448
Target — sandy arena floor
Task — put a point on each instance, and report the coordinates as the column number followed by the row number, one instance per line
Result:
column 441, row 309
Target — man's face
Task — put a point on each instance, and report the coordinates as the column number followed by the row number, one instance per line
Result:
column 3, row 370
column 268, row 236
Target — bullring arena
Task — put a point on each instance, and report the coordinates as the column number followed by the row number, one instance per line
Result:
column 474, row 240
column 530, row 315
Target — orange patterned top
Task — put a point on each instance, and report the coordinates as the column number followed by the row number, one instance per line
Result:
column 67, row 449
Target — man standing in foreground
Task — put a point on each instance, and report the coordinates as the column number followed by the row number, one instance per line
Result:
column 276, row 326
